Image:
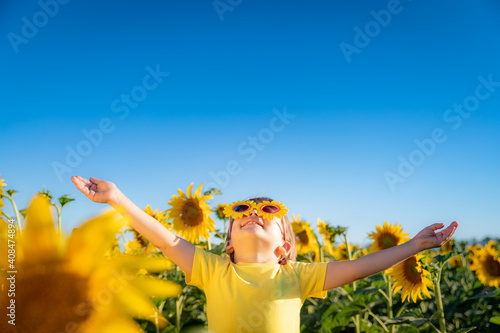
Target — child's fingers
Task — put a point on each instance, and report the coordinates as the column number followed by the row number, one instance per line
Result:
column 436, row 226
column 96, row 180
column 82, row 184
column 77, row 181
column 446, row 234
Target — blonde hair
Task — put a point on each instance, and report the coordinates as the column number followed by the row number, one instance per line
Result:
column 290, row 236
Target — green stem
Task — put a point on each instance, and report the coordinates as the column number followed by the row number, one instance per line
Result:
column 58, row 219
column 401, row 309
column 16, row 211
column 178, row 309
column 321, row 254
column 390, row 313
column 381, row 323
column 357, row 318
column 439, row 302
column 7, row 216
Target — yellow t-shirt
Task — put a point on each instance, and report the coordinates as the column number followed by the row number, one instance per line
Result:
column 251, row 297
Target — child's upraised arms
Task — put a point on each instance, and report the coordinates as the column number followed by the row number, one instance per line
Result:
column 339, row 273
column 175, row 248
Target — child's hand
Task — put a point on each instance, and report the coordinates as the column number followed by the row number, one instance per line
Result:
column 97, row 190
column 428, row 238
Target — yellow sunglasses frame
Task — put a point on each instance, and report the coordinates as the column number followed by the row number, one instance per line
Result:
column 230, row 212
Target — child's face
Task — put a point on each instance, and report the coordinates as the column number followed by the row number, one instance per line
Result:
column 252, row 227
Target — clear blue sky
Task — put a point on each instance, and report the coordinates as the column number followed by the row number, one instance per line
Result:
column 385, row 108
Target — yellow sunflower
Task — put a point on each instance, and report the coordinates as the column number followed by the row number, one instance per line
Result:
column 282, row 210
column 68, row 285
column 410, row 277
column 328, row 237
column 387, row 236
column 146, row 247
column 304, row 237
column 328, row 248
column 449, row 246
column 487, row 265
column 325, row 230
column 228, row 209
column 473, row 255
column 190, row 214
column 219, row 210
column 341, row 254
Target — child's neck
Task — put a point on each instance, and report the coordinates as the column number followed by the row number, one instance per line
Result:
column 257, row 256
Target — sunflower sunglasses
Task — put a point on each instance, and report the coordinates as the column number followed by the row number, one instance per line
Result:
column 266, row 209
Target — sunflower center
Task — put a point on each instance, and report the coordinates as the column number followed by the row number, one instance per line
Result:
column 303, row 238
column 61, row 299
column 412, row 270
column 191, row 213
column 388, row 240
column 492, row 266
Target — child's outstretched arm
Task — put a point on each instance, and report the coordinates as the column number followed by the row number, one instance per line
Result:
column 177, row 249
column 339, row 273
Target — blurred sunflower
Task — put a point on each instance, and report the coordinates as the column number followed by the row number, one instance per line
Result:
column 133, row 246
column 473, row 255
column 326, row 231
column 190, row 214
column 410, row 277
column 387, row 236
column 141, row 244
column 68, row 284
column 487, row 265
column 219, row 211
column 328, row 248
column 304, row 237
column 449, row 246
column 341, row 254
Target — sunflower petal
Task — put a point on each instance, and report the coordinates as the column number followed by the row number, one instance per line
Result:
column 89, row 243
column 139, row 306
column 198, row 191
column 40, row 241
column 157, row 287
column 190, row 187
column 109, row 321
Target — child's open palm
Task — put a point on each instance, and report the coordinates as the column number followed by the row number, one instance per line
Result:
column 428, row 238
column 97, row 190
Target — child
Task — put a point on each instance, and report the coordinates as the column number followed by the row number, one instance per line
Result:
column 261, row 288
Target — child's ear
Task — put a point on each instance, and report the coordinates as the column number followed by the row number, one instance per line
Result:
column 229, row 247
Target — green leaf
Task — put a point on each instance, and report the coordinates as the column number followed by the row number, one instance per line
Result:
column 11, row 192
column 495, row 320
column 435, row 316
column 212, row 191
column 465, row 330
column 417, row 321
column 407, row 329
column 46, row 193
column 23, row 212
column 494, row 293
column 64, row 199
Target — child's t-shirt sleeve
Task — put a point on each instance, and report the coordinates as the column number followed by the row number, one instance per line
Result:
column 204, row 264
column 312, row 279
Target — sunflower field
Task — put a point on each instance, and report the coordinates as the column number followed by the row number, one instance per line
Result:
column 105, row 277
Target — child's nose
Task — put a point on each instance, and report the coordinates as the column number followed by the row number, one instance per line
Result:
column 253, row 212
